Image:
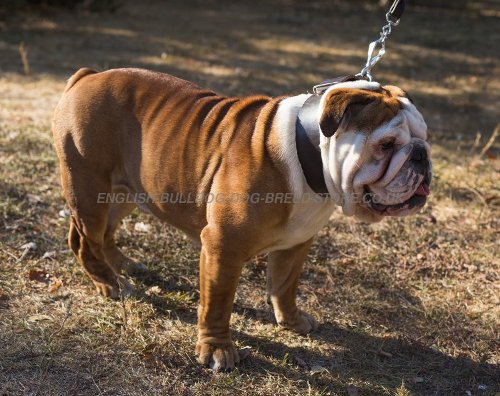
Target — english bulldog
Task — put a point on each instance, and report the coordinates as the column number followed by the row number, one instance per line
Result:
column 270, row 172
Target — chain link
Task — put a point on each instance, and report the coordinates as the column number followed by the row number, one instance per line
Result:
column 373, row 57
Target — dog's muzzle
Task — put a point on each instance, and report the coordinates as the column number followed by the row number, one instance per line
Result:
column 416, row 175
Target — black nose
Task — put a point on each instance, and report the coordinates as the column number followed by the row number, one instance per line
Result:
column 419, row 154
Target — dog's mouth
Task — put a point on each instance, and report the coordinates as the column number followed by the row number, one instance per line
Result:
column 415, row 202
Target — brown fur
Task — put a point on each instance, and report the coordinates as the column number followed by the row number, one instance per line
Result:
column 85, row 71
column 130, row 130
column 357, row 108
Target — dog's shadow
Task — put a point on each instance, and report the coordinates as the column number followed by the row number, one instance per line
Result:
column 369, row 361
column 160, row 292
column 359, row 358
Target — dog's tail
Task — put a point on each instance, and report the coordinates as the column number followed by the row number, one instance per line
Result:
column 84, row 71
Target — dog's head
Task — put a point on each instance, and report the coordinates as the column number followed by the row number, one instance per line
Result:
column 374, row 149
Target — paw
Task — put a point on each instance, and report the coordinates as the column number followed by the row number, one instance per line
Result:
column 302, row 323
column 122, row 287
column 219, row 357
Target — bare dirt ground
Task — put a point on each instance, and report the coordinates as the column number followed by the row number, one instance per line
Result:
column 407, row 306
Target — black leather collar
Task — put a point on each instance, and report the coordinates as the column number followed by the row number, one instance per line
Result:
column 307, row 142
column 307, row 138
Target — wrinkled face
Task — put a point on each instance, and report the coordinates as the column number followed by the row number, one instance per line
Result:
column 374, row 150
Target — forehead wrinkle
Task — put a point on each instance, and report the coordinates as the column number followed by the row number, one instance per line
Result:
column 391, row 128
column 417, row 125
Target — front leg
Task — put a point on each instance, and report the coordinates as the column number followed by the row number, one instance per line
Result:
column 219, row 274
column 283, row 272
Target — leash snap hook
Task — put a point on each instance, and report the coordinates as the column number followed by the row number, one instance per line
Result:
column 393, row 18
column 373, row 59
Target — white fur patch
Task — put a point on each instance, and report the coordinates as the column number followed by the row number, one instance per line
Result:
column 341, row 160
column 307, row 216
column 392, row 128
column 284, row 122
column 416, row 122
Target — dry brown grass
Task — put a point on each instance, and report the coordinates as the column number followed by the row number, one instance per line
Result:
column 407, row 306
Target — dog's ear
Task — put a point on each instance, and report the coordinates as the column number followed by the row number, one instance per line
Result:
column 397, row 92
column 342, row 105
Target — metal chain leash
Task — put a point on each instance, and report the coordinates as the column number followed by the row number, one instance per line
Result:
column 393, row 17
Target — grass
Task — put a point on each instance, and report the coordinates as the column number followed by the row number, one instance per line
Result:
column 407, row 306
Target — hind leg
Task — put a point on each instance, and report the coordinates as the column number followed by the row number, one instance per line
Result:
column 89, row 252
column 114, row 256
column 283, row 272
column 89, row 220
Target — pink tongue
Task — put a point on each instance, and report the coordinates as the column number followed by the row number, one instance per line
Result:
column 423, row 189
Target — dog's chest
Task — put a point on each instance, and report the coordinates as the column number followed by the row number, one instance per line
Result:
column 306, row 219
column 309, row 212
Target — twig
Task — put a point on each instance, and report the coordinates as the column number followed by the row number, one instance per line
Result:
column 66, row 317
column 23, row 52
column 477, row 194
column 477, row 141
column 491, row 141
column 10, row 254
column 122, row 302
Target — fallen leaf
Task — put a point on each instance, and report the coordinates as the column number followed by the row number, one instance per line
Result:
column 317, row 369
column 55, row 284
column 153, row 290
column 418, row 380
column 13, row 227
column 12, row 135
column 29, row 246
column 352, row 390
column 49, row 255
column 151, row 346
column 150, row 359
column 301, row 362
column 384, row 353
column 432, row 219
column 34, row 199
column 63, row 213
column 244, row 352
column 3, row 295
column 149, row 356
column 142, row 227
column 38, row 276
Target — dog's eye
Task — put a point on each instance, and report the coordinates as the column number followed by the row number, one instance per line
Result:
column 387, row 145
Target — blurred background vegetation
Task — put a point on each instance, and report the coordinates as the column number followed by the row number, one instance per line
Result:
column 113, row 5
column 91, row 5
